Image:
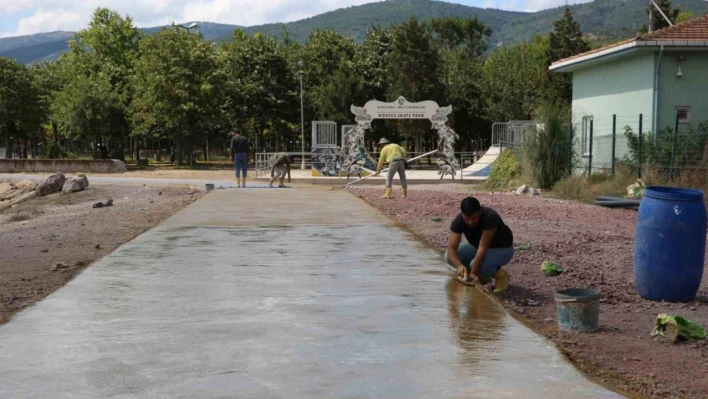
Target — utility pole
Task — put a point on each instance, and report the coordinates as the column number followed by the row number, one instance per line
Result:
column 651, row 14
column 301, row 66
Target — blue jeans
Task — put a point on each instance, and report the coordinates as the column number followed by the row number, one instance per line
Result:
column 241, row 164
column 496, row 258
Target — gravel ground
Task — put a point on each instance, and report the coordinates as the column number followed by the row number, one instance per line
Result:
column 595, row 248
column 46, row 242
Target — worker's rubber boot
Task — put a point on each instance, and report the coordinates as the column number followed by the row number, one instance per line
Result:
column 405, row 192
column 281, row 182
column 485, row 280
column 238, row 182
column 243, row 183
column 501, row 281
column 270, row 183
column 389, row 191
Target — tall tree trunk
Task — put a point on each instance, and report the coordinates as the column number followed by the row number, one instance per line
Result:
column 137, row 150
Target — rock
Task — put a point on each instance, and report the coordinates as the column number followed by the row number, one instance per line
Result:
column 45, row 250
column 78, row 183
column 103, row 204
column 523, row 189
column 51, row 184
column 98, row 246
column 534, row 192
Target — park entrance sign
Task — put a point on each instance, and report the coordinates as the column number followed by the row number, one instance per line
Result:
column 403, row 109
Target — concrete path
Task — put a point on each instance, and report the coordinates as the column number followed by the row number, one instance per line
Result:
column 296, row 293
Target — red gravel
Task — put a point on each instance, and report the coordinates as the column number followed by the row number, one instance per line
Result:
column 595, row 248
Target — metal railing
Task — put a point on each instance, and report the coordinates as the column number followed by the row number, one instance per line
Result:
column 511, row 133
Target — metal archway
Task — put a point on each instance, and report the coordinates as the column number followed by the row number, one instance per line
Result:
column 403, row 109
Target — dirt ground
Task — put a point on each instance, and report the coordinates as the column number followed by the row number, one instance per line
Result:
column 595, row 248
column 46, row 242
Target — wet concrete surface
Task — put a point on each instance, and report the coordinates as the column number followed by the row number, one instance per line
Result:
column 276, row 294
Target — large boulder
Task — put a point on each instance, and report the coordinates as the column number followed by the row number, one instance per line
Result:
column 51, row 184
column 78, row 183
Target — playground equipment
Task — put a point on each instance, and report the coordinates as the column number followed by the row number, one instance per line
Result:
column 327, row 157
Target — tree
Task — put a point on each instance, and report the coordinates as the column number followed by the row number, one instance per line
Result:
column 461, row 44
column 565, row 40
column 260, row 88
column 468, row 34
column 87, row 109
column 104, row 53
column 21, row 108
column 414, row 63
column 657, row 20
column 177, row 89
column 514, row 81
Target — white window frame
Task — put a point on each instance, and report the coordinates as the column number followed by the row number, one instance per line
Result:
column 585, row 135
column 688, row 111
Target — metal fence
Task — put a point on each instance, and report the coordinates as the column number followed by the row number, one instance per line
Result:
column 512, row 133
column 609, row 143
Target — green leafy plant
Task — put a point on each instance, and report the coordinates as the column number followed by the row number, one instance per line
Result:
column 551, row 269
column 505, row 169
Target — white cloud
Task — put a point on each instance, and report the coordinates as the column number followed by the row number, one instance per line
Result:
column 49, row 15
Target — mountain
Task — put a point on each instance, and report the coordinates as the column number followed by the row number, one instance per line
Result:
column 605, row 20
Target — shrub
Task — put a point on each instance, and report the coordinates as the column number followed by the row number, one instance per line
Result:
column 548, row 149
column 505, row 169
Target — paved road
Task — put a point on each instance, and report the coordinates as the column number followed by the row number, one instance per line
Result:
column 296, row 293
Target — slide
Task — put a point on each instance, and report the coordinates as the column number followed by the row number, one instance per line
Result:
column 483, row 167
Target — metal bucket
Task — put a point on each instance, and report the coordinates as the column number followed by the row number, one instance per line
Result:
column 578, row 309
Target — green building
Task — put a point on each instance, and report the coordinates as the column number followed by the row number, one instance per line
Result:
column 658, row 80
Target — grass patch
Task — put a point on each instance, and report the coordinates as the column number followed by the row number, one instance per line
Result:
column 586, row 189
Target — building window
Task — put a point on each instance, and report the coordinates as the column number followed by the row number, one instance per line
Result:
column 683, row 114
column 585, row 135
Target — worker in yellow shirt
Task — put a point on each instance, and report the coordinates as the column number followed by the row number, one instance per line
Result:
column 394, row 156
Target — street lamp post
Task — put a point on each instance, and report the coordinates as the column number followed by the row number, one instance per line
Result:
column 301, row 66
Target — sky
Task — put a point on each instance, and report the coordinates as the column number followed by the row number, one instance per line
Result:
column 26, row 17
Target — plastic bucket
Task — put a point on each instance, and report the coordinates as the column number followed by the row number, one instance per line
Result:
column 578, row 309
column 208, row 187
column 670, row 244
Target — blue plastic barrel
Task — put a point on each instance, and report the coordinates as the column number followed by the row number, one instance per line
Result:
column 670, row 244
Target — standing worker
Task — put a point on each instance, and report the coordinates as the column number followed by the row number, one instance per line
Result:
column 239, row 149
column 279, row 167
column 395, row 156
column 489, row 246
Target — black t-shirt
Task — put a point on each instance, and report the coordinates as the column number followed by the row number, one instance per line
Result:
column 239, row 145
column 488, row 220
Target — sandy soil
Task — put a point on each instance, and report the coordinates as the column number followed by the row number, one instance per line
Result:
column 46, row 242
column 595, row 247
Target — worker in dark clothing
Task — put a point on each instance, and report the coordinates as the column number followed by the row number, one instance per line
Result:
column 489, row 246
column 239, row 149
column 279, row 167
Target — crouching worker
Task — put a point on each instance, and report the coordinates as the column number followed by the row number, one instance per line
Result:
column 279, row 167
column 489, row 246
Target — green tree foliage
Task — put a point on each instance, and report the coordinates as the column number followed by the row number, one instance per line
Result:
column 101, row 57
column 514, row 81
column 21, row 107
column 260, row 95
column 176, row 85
column 565, row 40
